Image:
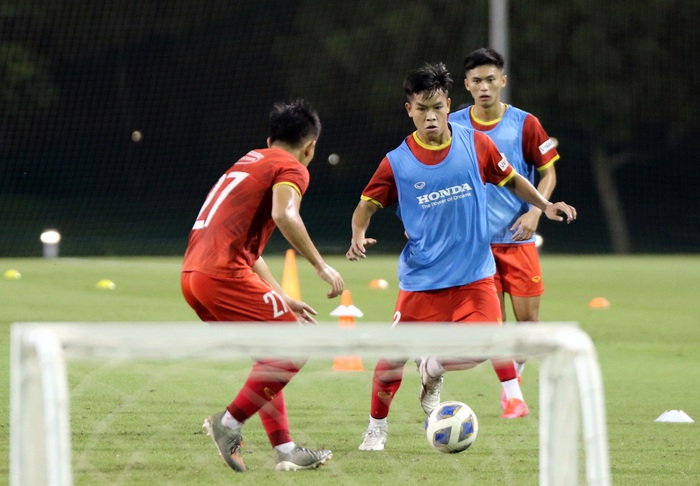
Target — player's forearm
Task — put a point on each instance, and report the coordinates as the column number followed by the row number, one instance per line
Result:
column 361, row 218
column 522, row 188
column 293, row 229
column 261, row 268
column 548, row 181
column 285, row 214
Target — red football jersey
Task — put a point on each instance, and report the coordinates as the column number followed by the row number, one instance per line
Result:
column 235, row 222
column 534, row 138
column 382, row 190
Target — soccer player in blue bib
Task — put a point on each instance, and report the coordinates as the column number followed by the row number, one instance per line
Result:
column 438, row 177
column 513, row 223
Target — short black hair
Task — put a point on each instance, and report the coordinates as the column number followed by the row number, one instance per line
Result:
column 294, row 122
column 483, row 57
column 428, row 79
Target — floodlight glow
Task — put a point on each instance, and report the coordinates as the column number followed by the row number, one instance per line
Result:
column 50, row 237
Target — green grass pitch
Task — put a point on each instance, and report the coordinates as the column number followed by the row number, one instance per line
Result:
column 138, row 423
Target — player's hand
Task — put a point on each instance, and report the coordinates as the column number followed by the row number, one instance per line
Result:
column 560, row 211
column 329, row 275
column 358, row 248
column 525, row 226
column 303, row 311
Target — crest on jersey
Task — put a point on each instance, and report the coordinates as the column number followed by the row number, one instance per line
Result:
column 251, row 157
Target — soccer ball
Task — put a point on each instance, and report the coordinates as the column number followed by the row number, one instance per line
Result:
column 451, row 427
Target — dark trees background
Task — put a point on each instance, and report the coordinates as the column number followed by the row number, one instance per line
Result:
column 614, row 82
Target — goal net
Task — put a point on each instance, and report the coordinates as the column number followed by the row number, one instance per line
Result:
column 571, row 391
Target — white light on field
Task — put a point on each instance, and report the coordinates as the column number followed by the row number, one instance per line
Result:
column 538, row 241
column 50, row 239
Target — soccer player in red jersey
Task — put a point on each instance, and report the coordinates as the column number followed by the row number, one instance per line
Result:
column 438, row 177
column 513, row 223
column 225, row 279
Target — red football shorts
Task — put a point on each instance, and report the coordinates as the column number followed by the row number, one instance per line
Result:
column 475, row 302
column 518, row 270
column 224, row 299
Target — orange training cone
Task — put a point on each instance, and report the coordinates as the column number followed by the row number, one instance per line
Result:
column 290, row 276
column 346, row 313
column 599, row 303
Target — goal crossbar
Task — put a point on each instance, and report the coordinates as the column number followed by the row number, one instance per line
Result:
column 570, row 377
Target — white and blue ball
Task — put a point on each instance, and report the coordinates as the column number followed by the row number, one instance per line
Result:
column 451, row 427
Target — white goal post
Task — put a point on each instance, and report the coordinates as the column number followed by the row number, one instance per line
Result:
column 570, row 377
